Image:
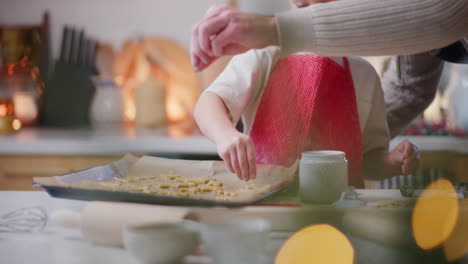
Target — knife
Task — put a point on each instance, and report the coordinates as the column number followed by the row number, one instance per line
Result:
column 73, row 46
column 64, row 48
column 81, row 53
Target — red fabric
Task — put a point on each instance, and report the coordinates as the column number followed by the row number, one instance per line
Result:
column 309, row 103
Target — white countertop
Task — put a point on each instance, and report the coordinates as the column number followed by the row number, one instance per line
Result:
column 54, row 244
column 104, row 141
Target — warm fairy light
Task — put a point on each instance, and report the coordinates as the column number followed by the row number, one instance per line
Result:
column 11, row 69
column 6, row 107
column 3, row 110
column 25, row 107
column 316, row 244
column 435, row 214
column 129, row 110
column 16, row 124
column 24, row 61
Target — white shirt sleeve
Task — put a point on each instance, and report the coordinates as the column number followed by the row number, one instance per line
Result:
column 376, row 134
column 241, row 84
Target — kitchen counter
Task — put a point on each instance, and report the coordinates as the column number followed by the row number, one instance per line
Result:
column 121, row 140
column 36, row 152
column 49, row 243
column 104, row 141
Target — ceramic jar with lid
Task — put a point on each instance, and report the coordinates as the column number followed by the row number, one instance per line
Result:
column 323, row 176
column 107, row 104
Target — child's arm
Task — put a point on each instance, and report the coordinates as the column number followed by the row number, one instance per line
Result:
column 378, row 163
column 235, row 148
column 229, row 98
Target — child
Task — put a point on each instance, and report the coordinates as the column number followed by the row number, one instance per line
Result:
column 298, row 103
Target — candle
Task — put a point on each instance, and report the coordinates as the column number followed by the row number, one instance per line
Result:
column 25, row 107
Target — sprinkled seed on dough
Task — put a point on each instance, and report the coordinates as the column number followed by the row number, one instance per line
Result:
column 192, row 184
column 122, row 180
column 215, row 184
column 168, row 176
column 206, row 189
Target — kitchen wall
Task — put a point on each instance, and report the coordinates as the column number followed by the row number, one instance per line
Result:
column 110, row 20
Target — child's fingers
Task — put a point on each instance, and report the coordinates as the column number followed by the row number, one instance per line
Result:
column 235, row 163
column 406, row 148
column 416, row 152
column 227, row 161
column 410, row 164
column 404, row 168
column 242, row 158
column 413, row 162
column 252, row 159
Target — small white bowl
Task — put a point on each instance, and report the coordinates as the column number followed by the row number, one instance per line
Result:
column 236, row 241
column 162, row 243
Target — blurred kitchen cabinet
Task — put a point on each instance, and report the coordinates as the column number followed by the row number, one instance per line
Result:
column 16, row 172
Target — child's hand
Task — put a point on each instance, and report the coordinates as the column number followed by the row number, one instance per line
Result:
column 238, row 152
column 405, row 157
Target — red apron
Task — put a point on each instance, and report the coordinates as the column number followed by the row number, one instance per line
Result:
column 309, row 103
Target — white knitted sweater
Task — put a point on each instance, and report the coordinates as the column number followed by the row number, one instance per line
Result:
column 373, row 27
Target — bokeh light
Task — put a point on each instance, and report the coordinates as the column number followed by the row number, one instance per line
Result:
column 316, row 244
column 456, row 245
column 16, row 124
column 435, row 214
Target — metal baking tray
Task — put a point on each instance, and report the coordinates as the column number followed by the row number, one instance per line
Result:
column 111, row 171
column 101, row 195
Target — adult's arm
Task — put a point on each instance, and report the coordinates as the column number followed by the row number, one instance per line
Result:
column 351, row 27
column 373, row 27
column 410, row 84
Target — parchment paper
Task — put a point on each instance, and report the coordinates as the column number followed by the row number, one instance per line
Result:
column 269, row 177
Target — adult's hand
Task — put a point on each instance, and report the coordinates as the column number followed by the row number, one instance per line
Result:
column 227, row 31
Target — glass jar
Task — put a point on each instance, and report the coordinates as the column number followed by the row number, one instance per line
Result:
column 107, row 104
column 24, row 86
column 323, row 176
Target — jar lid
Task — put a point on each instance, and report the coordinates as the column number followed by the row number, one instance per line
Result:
column 323, row 155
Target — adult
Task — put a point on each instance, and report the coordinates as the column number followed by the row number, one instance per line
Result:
column 409, row 29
